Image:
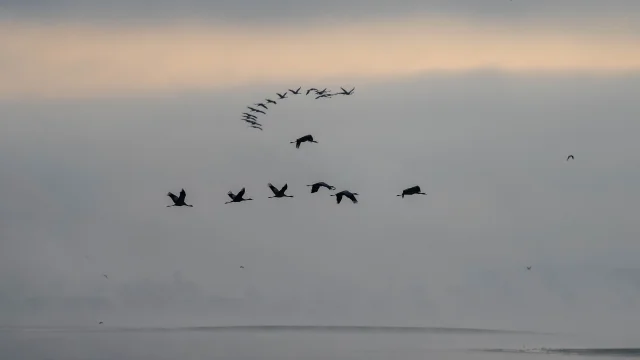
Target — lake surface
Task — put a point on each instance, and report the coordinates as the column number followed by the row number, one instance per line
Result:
column 301, row 343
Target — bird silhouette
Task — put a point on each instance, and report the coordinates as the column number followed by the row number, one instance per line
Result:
column 238, row 197
column 100, row 323
column 256, row 110
column 282, row 96
column 241, row 267
column 310, row 90
column 105, row 276
column 528, row 267
column 296, row 92
column 256, row 127
column 249, row 115
column 318, row 185
column 269, row 101
column 306, row 138
column 345, row 92
column 412, row 191
column 278, row 193
column 346, row 193
column 569, row 157
column 178, row 201
column 262, row 105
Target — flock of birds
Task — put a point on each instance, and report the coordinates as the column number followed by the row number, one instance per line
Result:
column 252, row 119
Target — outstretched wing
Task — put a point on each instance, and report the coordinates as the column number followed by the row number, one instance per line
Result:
column 231, row 195
column 173, row 197
column 353, row 198
column 274, row 189
column 240, row 194
column 284, row 188
column 314, row 188
column 338, row 197
column 298, row 143
column 183, row 195
column 343, row 90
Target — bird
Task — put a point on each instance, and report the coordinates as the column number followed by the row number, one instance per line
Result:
column 241, row 267
column 262, row 105
column 278, row 193
column 316, row 186
column 178, row 201
column 305, row 138
column 345, row 92
column 569, row 157
column 249, row 115
column 282, row 96
column 237, row 197
column 321, row 92
column 324, row 96
column 346, row 193
column 310, row 90
column 412, row 191
column 252, row 122
column 528, row 267
column 256, row 127
column 105, row 276
column 270, row 101
column 296, row 92
column 256, row 110
column 100, row 323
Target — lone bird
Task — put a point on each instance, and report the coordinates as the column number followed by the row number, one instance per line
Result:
column 346, row 193
column 282, row 96
column 105, row 276
column 241, row 267
column 296, row 92
column 305, row 138
column 315, row 187
column 528, row 267
column 569, row 157
column 412, row 191
column 270, row 101
column 256, row 110
column 100, row 323
column 278, row 193
column 178, row 201
column 345, row 92
column 237, row 197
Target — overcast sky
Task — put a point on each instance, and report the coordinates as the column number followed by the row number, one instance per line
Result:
column 101, row 117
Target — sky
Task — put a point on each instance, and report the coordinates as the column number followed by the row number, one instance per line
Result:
column 106, row 108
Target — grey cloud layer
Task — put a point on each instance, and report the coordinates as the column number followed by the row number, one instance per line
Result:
column 258, row 10
column 84, row 187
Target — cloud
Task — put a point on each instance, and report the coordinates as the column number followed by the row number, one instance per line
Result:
column 81, row 59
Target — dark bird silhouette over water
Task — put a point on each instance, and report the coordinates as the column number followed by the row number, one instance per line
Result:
column 278, row 193
column 296, row 92
column 345, row 92
column 316, row 186
column 256, row 110
column 269, row 101
column 346, row 193
column 282, row 96
column 306, row 138
column 237, row 197
column 569, row 157
column 178, row 201
column 412, row 191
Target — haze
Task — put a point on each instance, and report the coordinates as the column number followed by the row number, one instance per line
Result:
column 106, row 108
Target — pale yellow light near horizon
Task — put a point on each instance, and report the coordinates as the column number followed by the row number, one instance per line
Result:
column 79, row 60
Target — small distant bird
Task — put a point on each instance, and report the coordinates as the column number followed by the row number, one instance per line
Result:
column 345, row 92
column 569, row 157
column 310, row 90
column 241, row 267
column 237, row 197
column 412, row 191
column 256, row 110
column 305, row 138
column 321, row 92
column 249, row 115
column 278, row 193
column 252, row 122
column 269, row 101
column 100, row 323
column 324, row 96
column 528, row 267
column 296, row 92
column 262, row 105
column 316, row 186
column 178, row 201
column 105, row 276
column 282, row 96
column 256, row 127
column 346, row 193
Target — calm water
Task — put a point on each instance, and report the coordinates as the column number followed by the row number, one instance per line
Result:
column 299, row 343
